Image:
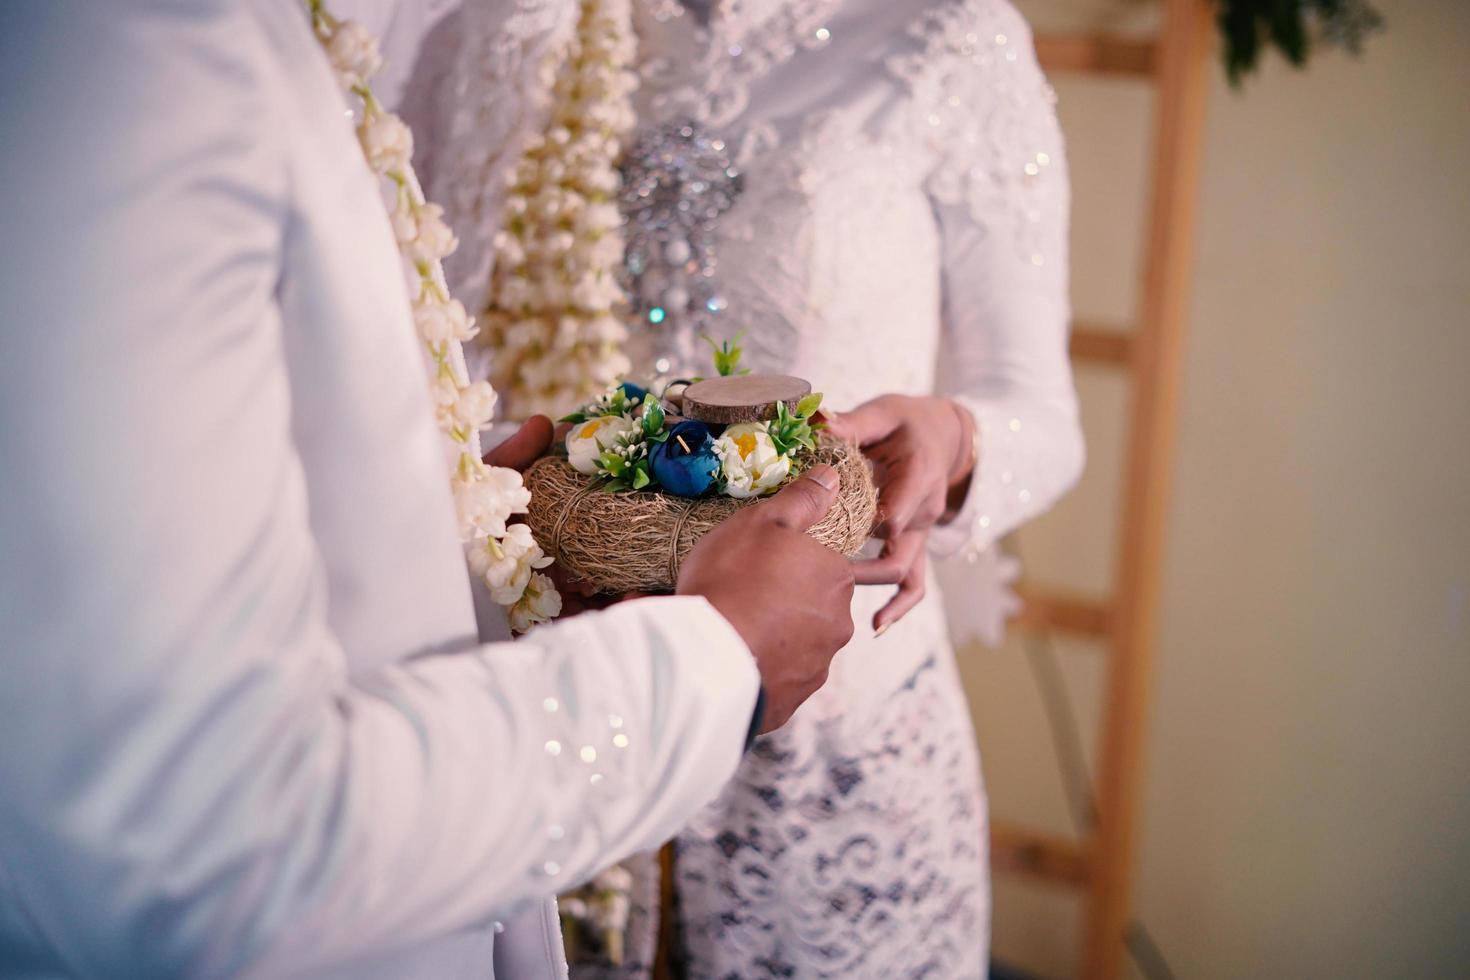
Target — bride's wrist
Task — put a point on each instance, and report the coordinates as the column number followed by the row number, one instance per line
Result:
column 962, row 470
column 963, row 463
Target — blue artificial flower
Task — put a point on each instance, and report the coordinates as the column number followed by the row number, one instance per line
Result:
column 685, row 463
column 634, row 393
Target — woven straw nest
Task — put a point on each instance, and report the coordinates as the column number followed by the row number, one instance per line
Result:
column 635, row 541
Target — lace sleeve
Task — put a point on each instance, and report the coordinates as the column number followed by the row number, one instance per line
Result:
column 483, row 84
column 999, row 189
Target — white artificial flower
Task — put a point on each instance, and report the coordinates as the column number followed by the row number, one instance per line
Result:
column 587, row 440
column 506, row 565
column 749, row 460
column 386, row 141
column 353, row 52
column 485, row 501
column 540, row 603
column 434, row 240
column 440, row 323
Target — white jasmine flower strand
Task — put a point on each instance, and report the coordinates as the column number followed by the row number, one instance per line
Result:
column 485, row 498
column 551, row 317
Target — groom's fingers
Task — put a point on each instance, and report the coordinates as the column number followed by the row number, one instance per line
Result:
column 525, row 447
column 804, row 501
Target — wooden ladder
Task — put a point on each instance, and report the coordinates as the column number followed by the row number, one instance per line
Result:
column 1178, row 64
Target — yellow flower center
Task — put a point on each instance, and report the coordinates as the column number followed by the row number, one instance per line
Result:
column 746, row 444
column 589, row 429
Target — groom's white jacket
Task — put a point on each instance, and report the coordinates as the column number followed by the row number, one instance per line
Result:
column 246, row 725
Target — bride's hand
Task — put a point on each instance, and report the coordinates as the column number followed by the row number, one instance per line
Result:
column 923, row 453
column 528, row 444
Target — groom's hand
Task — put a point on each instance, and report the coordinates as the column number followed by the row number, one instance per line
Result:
column 789, row 597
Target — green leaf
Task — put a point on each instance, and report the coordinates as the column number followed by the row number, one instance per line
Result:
column 727, row 356
column 653, row 418
column 641, row 478
column 574, row 418
column 808, row 406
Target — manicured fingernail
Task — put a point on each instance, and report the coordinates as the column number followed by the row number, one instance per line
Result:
column 881, row 630
column 824, row 475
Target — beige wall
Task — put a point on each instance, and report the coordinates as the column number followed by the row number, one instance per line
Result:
column 1307, row 811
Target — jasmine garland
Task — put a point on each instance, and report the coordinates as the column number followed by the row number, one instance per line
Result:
column 505, row 556
column 554, row 295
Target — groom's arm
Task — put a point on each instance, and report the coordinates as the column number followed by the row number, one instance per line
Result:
column 190, row 782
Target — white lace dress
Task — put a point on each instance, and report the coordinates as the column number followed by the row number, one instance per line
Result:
column 886, row 212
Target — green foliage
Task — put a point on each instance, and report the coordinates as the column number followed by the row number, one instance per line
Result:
column 626, row 466
column 727, row 356
column 614, row 402
column 1250, row 27
column 792, row 431
column 653, row 421
column 808, row 406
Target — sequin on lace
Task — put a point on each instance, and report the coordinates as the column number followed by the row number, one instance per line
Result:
column 678, row 179
column 990, row 117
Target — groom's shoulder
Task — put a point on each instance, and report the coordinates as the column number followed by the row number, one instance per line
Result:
column 104, row 95
column 53, row 34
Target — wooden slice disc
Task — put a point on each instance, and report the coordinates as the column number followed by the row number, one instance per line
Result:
column 743, row 398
